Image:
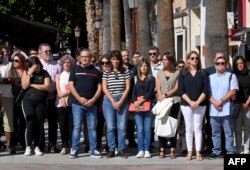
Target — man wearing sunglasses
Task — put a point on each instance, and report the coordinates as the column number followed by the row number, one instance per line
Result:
column 155, row 63
column 222, row 89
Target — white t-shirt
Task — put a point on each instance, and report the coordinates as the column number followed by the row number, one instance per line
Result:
column 4, row 68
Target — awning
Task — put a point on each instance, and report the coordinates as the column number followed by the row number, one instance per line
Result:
column 26, row 34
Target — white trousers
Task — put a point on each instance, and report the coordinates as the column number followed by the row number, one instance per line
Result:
column 193, row 123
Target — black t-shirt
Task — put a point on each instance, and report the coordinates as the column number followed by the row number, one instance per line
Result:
column 38, row 79
column 244, row 87
column 85, row 81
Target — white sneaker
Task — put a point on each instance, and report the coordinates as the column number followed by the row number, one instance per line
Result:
column 147, row 154
column 140, row 154
column 246, row 151
column 38, row 152
column 27, row 151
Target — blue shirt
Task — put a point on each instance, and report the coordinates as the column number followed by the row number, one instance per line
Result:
column 219, row 87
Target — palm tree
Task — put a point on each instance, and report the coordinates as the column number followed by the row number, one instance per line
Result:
column 115, row 22
column 127, row 23
column 144, row 38
column 165, row 26
column 216, row 31
column 106, row 27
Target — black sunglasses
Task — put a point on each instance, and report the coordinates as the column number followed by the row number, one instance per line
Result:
column 220, row 63
column 151, row 53
column 102, row 63
column 194, row 58
column 116, row 76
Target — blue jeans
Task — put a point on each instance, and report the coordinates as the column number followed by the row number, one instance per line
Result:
column 115, row 120
column 143, row 125
column 79, row 114
column 217, row 124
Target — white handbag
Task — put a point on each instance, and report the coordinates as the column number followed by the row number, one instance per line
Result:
column 166, row 126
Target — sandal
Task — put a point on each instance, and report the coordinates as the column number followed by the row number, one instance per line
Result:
column 162, row 154
column 172, row 155
column 199, row 156
column 189, row 156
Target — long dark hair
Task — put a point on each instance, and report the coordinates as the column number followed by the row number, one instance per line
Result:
column 235, row 69
column 34, row 60
column 117, row 54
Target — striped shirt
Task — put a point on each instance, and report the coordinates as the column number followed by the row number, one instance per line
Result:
column 116, row 81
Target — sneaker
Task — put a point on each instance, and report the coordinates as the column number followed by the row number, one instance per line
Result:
column 140, row 154
column 147, row 154
column 96, row 154
column 214, row 156
column 246, row 151
column 111, row 154
column 27, row 151
column 122, row 154
column 38, row 152
column 73, row 154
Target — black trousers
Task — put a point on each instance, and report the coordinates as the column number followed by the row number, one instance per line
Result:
column 34, row 110
column 52, row 116
column 65, row 118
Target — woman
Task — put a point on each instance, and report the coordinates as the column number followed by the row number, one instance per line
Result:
column 193, row 88
column 167, row 86
column 36, row 82
column 15, row 73
column 144, row 88
column 116, row 86
column 62, row 103
column 104, row 65
column 243, row 96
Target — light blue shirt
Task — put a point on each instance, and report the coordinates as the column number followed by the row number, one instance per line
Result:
column 219, row 87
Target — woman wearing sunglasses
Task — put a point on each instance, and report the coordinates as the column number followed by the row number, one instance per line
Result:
column 116, row 86
column 193, row 88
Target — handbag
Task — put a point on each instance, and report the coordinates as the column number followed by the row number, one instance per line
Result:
column 166, row 127
column 144, row 107
column 19, row 98
column 235, row 106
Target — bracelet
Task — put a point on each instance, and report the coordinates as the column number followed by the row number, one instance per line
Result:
column 166, row 95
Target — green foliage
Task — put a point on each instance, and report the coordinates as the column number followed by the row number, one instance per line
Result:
column 54, row 12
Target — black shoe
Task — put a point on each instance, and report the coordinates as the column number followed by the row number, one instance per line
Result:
column 122, row 154
column 53, row 149
column 111, row 154
column 132, row 144
column 214, row 156
column 86, row 149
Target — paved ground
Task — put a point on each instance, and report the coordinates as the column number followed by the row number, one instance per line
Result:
column 53, row 161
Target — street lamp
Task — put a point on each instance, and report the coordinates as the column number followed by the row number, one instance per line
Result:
column 77, row 31
column 133, row 5
column 98, row 25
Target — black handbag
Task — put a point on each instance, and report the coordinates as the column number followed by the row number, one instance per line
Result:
column 19, row 98
column 235, row 106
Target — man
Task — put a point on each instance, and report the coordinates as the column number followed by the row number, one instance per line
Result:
column 53, row 68
column 156, row 64
column 131, row 122
column 84, row 99
column 136, row 57
column 5, row 86
column 220, row 95
column 181, row 65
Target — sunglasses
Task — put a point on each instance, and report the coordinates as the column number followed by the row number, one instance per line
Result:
column 181, row 66
column 220, row 63
column 102, row 63
column 93, row 61
column 151, row 54
column 194, row 58
column 16, row 61
column 116, row 76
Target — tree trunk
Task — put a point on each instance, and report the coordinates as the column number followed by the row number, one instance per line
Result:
column 165, row 26
column 128, row 28
column 90, row 12
column 106, row 27
column 115, row 22
column 216, row 31
column 144, row 37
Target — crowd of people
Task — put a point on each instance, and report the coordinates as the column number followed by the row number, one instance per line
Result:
column 98, row 92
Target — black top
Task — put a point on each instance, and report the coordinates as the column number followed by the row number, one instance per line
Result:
column 38, row 79
column 133, row 72
column 193, row 86
column 85, row 81
column 244, row 87
column 144, row 88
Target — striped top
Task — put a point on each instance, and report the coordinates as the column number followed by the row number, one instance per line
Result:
column 116, row 81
